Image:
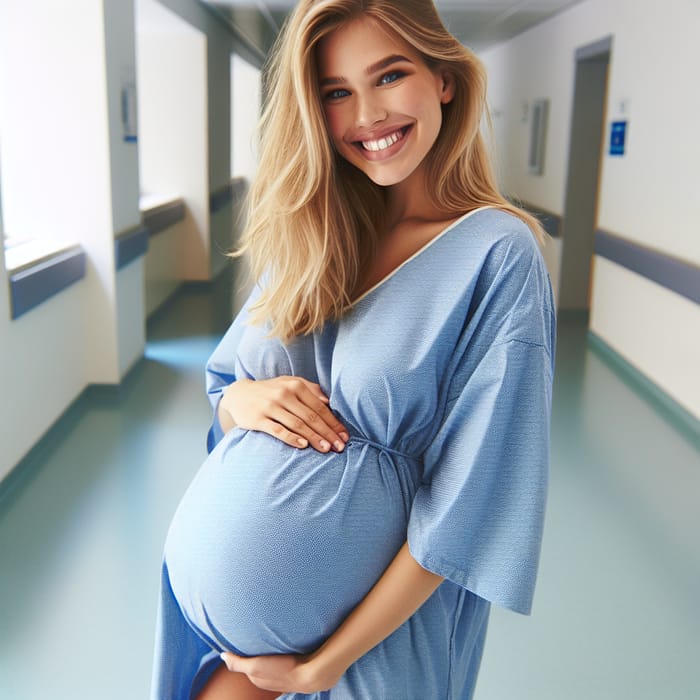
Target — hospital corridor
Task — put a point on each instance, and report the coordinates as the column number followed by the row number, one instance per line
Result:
column 127, row 148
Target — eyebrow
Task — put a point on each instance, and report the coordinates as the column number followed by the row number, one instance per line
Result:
column 374, row 68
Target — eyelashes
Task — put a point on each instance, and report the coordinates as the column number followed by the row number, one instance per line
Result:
column 385, row 79
column 391, row 77
column 337, row 94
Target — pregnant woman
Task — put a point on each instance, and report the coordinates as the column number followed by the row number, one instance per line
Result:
column 378, row 459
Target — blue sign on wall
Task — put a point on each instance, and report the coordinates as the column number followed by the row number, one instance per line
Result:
column 617, row 138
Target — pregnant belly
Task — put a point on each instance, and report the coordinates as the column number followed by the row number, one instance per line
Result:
column 271, row 547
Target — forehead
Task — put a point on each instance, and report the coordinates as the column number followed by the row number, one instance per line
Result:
column 357, row 44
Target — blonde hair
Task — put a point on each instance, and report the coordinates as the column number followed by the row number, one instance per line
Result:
column 313, row 220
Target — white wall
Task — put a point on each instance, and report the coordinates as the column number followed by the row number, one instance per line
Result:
column 42, row 368
column 131, row 317
column 55, row 160
column 647, row 196
column 652, row 327
column 163, row 265
column 68, row 175
column 220, row 45
column 55, row 185
column 120, row 48
column 42, row 361
column 246, row 105
column 173, row 152
column 48, row 351
column 63, row 158
column 211, row 61
column 129, row 308
column 246, row 99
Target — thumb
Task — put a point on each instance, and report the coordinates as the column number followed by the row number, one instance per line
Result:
column 232, row 662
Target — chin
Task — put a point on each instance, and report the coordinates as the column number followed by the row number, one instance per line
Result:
column 386, row 177
column 388, row 181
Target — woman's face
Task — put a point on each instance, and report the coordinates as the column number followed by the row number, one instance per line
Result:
column 382, row 103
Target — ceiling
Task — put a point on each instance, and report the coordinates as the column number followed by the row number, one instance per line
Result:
column 477, row 23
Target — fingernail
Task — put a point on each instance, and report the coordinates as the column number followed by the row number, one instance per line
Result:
column 338, row 446
column 302, row 442
column 345, row 436
column 324, row 445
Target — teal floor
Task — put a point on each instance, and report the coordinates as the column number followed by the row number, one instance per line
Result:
column 83, row 521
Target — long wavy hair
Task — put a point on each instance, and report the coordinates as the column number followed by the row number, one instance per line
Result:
column 313, row 219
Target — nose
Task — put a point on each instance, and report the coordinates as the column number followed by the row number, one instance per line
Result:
column 369, row 110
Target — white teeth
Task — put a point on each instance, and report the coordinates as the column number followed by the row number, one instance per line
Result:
column 381, row 144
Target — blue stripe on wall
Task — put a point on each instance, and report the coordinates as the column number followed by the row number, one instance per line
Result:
column 160, row 218
column 674, row 274
column 129, row 246
column 233, row 192
column 550, row 222
column 220, row 199
column 36, row 283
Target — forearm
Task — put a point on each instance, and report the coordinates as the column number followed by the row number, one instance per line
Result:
column 400, row 591
column 223, row 412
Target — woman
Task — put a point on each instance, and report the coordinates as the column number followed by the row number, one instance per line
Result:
column 378, row 459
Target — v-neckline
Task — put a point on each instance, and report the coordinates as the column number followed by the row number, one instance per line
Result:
column 420, row 250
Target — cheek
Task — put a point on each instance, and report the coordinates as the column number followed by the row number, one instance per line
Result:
column 335, row 125
column 427, row 104
column 432, row 116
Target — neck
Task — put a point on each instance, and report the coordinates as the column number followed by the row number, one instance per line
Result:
column 409, row 201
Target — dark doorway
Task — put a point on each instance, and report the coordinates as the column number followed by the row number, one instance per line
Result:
column 583, row 178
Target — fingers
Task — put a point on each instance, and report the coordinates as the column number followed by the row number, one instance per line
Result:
column 301, row 427
column 316, row 415
column 305, row 413
column 297, row 412
column 277, row 430
column 281, row 672
column 233, row 662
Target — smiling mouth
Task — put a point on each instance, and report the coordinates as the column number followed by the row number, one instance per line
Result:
column 385, row 142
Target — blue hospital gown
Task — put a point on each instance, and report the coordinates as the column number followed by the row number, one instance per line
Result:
column 442, row 373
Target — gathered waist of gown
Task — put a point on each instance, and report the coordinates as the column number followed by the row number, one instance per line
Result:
column 391, row 451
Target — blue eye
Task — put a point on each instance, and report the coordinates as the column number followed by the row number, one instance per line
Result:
column 392, row 77
column 336, row 94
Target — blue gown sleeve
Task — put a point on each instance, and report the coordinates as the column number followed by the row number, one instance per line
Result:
column 477, row 518
column 221, row 367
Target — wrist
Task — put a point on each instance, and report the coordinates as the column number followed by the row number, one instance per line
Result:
column 232, row 393
column 320, row 671
column 226, row 409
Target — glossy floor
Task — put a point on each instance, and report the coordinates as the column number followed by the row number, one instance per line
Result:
column 82, row 525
